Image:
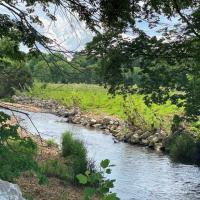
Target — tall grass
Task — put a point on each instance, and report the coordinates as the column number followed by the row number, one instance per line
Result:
column 75, row 152
column 95, row 99
column 56, row 168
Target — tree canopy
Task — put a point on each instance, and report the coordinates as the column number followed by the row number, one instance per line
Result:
column 168, row 59
column 14, row 73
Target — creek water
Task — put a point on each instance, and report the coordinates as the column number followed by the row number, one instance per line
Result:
column 140, row 174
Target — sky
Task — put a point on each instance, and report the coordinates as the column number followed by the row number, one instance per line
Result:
column 67, row 31
column 71, row 33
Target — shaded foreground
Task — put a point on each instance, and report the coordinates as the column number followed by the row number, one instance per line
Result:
column 55, row 187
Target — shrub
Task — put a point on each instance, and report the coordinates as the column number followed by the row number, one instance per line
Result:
column 16, row 77
column 75, row 152
column 16, row 153
column 97, row 184
column 78, row 164
column 72, row 146
column 183, row 148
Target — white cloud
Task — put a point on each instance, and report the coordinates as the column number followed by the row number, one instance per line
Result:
column 66, row 30
column 70, row 33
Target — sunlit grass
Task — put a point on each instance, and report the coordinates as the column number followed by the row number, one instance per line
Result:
column 95, row 99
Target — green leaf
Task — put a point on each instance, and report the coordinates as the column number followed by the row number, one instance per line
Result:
column 112, row 196
column 108, row 171
column 87, row 173
column 88, row 193
column 105, row 163
column 82, row 178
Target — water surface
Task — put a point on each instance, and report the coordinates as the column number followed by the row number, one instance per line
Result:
column 140, row 173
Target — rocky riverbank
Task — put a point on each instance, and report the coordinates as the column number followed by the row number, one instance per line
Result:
column 121, row 130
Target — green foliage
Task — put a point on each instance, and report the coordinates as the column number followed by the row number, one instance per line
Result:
column 14, row 74
column 56, row 168
column 117, row 14
column 57, row 69
column 97, row 184
column 75, row 153
column 94, row 98
column 51, row 143
column 71, row 146
column 17, row 154
column 167, row 63
column 184, row 148
column 163, row 68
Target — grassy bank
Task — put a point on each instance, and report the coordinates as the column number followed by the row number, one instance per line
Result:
column 93, row 98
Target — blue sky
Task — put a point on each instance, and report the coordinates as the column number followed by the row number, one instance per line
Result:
column 73, row 34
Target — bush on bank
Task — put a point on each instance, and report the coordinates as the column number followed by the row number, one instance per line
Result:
column 75, row 153
column 184, row 148
column 16, row 153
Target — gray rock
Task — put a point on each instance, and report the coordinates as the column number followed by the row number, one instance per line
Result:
column 115, row 132
column 9, row 191
column 135, row 139
column 63, row 120
column 97, row 126
column 106, row 120
column 139, row 132
column 106, row 131
column 158, row 146
column 76, row 120
column 155, row 139
column 116, row 123
column 145, row 135
column 111, row 122
column 144, row 142
column 92, row 122
column 84, row 122
column 128, row 135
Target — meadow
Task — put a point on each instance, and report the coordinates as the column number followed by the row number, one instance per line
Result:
column 95, row 99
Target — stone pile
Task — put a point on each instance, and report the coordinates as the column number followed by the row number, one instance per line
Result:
column 120, row 130
column 154, row 140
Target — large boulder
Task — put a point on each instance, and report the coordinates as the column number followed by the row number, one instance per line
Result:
column 9, row 191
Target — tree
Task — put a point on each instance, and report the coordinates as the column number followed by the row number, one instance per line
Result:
column 169, row 64
column 14, row 74
column 164, row 63
column 19, row 22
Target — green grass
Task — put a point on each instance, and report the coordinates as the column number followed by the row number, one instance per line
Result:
column 56, row 168
column 75, row 152
column 95, row 99
column 51, row 143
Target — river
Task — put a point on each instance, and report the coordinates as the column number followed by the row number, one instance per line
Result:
column 140, row 173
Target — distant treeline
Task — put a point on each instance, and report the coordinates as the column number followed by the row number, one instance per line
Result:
column 81, row 69
column 57, row 69
column 19, row 70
